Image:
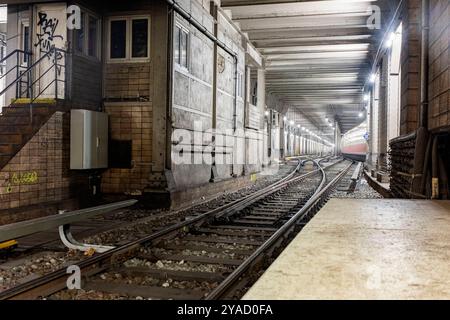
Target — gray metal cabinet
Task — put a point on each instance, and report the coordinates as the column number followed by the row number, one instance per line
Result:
column 88, row 140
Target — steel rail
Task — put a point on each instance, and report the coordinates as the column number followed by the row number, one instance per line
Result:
column 29, row 227
column 224, row 286
column 56, row 280
column 270, row 190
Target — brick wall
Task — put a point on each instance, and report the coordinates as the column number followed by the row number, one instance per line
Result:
column 127, row 81
column 439, row 58
column 383, row 114
column 39, row 173
column 410, row 93
column 130, row 121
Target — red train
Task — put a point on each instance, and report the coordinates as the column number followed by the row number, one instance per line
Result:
column 354, row 144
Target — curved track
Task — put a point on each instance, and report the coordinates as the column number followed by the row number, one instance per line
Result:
column 213, row 255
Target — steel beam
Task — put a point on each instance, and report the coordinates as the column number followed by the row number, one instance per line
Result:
column 25, row 228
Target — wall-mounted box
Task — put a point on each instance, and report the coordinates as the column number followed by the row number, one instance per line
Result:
column 88, row 140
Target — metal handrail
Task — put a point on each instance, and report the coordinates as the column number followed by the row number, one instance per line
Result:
column 27, row 75
column 15, row 52
column 17, row 66
column 30, row 68
column 40, row 77
column 9, row 71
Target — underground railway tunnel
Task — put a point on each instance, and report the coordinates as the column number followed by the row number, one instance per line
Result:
column 233, row 149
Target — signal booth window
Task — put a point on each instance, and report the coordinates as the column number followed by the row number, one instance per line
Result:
column 181, row 46
column 129, row 39
column 86, row 38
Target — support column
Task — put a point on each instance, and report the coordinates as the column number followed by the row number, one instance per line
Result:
column 382, row 116
column 261, row 94
column 214, row 173
column 248, row 84
column 336, row 139
column 213, row 10
column 162, row 28
column 261, row 104
column 410, row 60
column 282, row 139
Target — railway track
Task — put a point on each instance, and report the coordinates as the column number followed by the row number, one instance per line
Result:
column 49, row 241
column 213, row 255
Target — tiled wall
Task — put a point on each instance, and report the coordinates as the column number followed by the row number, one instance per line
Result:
column 439, row 72
column 130, row 121
column 410, row 93
column 439, row 59
column 127, row 81
column 39, row 173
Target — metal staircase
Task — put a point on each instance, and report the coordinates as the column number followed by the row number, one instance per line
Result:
column 28, row 112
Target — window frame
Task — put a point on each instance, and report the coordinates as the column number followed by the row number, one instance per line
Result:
column 75, row 36
column 128, row 39
column 188, row 46
column 85, row 51
column 24, row 23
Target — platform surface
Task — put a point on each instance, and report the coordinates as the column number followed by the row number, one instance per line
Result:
column 365, row 249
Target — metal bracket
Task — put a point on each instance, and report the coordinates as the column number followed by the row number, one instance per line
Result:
column 69, row 241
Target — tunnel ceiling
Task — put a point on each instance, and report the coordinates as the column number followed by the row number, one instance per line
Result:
column 318, row 53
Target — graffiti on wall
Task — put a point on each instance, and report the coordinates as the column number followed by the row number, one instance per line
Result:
column 47, row 35
column 22, row 178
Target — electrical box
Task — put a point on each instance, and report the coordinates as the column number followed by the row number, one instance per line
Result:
column 88, row 140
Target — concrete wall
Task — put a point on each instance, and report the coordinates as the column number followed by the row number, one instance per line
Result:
column 204, row 99
column 192, row 97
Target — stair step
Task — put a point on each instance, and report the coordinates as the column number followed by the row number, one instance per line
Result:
column 37, row 102
column 16, row 127
column 7, row 128
column 24, row 120
column 7, row 148
column 4, row 159
column 10, row 138
column 14, row 110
